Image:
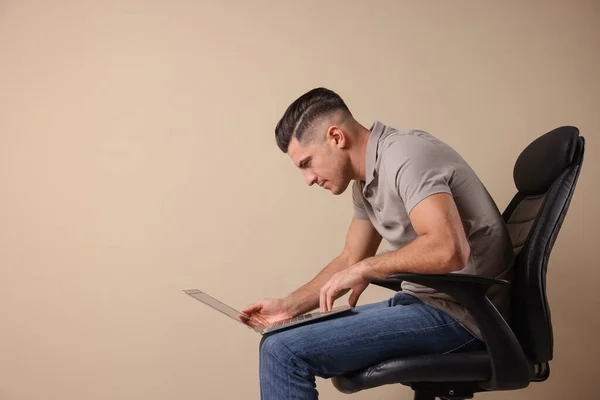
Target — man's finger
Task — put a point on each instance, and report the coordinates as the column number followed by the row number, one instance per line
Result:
column 323, row 297
column 259, row 319
column 356, row 292
column 322, row 300
column 252, row 308
column 330, row 298
column 324, row 292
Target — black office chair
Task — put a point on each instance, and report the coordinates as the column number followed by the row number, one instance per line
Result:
column 517, row 352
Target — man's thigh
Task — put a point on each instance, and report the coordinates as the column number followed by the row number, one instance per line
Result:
column 402, row 326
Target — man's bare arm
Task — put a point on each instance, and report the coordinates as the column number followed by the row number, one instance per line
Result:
column 362, row 241
column 440, row 247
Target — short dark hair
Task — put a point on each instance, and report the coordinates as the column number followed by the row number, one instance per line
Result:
column 304, row 111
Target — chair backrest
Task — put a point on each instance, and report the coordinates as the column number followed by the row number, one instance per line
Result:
column 545, row 175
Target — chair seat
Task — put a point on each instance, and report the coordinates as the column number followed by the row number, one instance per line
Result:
column 459, row 367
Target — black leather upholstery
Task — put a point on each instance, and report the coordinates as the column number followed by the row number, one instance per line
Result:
column 545, row 174
column 544, row 160
column 466, row 367
column 540, row 217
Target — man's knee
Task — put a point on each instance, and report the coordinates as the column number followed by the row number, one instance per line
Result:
column 281, row 346
column 281, row 349
column 270, row 346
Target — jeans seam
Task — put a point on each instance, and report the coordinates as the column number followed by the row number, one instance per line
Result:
column 429, row 328
column 462, row 345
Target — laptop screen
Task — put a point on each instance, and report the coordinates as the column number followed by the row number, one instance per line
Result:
column 225, row 309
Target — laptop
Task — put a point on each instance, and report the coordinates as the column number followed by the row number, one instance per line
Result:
column 253, row 323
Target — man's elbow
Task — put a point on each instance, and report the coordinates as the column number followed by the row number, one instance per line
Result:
column 456, row 258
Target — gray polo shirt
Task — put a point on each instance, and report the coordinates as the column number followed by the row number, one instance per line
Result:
column 405, row 167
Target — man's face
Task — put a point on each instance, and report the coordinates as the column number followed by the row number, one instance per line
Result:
column 321, row 163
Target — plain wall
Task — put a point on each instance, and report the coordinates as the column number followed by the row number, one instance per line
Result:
column 137, row 159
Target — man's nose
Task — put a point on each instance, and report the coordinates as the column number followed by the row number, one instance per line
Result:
column 310, row 178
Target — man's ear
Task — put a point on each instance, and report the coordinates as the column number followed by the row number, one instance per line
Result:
column 337, row 136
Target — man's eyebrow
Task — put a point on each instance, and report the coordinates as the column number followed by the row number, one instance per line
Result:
column 303, row 162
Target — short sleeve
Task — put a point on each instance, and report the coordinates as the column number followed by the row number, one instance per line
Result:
column 417, row 168
column 358, row 201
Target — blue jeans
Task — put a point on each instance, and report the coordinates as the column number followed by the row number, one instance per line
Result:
column 399, row 327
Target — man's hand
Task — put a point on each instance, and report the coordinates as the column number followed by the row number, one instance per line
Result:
column 267, row 311
column 340, row 283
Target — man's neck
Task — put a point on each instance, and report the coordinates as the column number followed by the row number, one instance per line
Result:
column 360, row 154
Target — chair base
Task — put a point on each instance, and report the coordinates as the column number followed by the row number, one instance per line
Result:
column 429, row 396
column 423, row 396
column 445, row 391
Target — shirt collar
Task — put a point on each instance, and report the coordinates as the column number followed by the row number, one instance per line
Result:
column 372, row 145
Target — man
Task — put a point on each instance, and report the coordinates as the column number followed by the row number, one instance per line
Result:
column 412, row 190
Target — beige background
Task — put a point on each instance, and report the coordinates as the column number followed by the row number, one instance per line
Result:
column 137, row 159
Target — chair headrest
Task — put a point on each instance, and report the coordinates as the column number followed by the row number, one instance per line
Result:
column 545, row 159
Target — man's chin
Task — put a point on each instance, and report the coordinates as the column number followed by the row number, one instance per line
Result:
column 336, row 190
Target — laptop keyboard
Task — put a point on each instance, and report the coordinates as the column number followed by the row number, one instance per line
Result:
column 294, row 319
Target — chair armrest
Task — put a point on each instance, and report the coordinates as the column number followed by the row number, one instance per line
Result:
column 394, row 282
column 510, row 367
